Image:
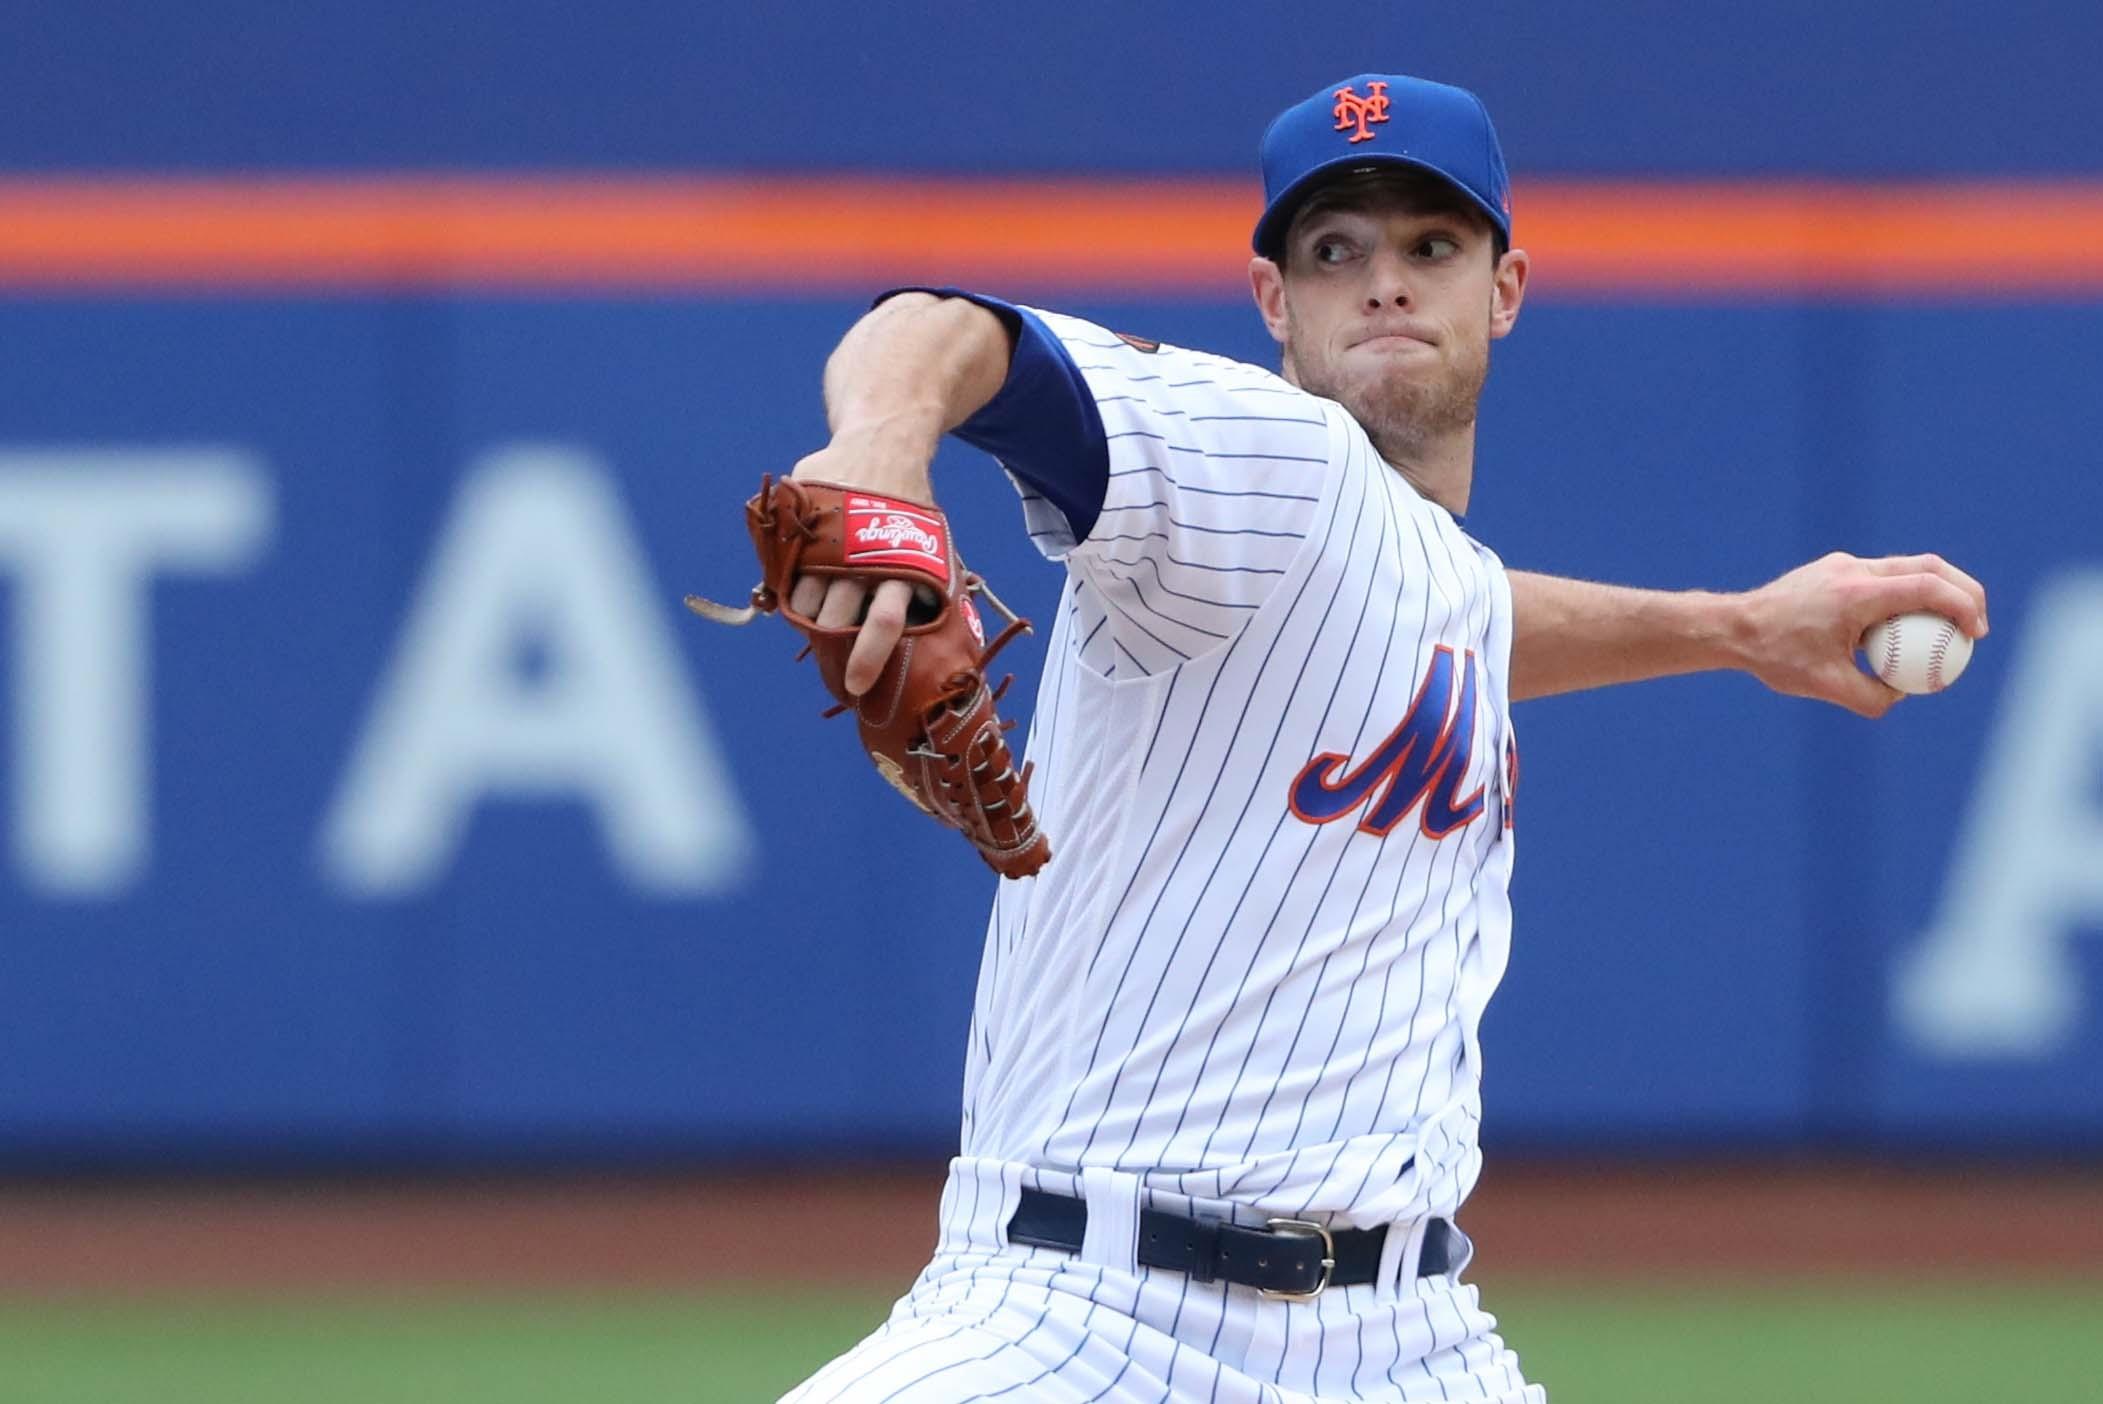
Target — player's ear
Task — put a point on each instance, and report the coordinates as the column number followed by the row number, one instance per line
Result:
column 1267, row 282
column 1507, row 291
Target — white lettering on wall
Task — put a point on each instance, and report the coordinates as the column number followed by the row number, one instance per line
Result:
column 537, row 556
column 82, row 534
column 1995, row 977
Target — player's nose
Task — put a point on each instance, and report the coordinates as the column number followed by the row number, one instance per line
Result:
column 1389, row 284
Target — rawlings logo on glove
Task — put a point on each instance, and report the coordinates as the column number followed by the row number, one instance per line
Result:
column 885, row 532
column 929, row 722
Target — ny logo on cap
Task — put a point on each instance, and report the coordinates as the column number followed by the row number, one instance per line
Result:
column 1353, row 110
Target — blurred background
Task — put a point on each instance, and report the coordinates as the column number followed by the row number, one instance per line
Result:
column 433, row 966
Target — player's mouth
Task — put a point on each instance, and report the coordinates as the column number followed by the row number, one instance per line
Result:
column 1396, row 339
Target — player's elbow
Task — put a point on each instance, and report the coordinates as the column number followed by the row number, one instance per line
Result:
column 901, row 318
column 904, row 303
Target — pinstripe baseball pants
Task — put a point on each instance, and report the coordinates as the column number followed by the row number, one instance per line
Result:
column 988, row 1320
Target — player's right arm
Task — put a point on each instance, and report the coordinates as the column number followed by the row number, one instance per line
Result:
column 1797, row 634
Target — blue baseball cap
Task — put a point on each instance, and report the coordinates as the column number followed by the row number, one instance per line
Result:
column 1381, row 119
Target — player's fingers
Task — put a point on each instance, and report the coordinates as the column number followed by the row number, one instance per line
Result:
column 843, row 603
column 1923, row 590
column 1862, row 694
column 880, row 633
column 807, row 594
column 1933, row 564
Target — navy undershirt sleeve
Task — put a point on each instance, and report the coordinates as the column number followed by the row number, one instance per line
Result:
column 1043, row 425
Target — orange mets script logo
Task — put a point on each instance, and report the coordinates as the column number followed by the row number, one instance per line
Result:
column 1353, row 110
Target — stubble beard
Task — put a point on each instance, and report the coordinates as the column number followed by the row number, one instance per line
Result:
column 1404, row 415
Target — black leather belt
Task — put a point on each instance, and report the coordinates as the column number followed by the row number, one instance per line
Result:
column 1289, row 1258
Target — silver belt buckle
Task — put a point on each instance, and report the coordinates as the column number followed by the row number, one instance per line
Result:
column 1302, row 1228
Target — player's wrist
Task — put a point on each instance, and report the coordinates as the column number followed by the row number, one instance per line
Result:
column 887, row 452
column 1726, row 630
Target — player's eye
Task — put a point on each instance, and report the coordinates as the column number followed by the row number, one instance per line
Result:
column 1331, row 251
column 1438, row 246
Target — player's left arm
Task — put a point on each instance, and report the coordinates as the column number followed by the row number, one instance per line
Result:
column 1796, row 634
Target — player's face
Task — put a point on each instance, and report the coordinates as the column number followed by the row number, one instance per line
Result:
column 1387, row 302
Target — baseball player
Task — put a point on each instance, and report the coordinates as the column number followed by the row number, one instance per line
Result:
column 1222, row 1087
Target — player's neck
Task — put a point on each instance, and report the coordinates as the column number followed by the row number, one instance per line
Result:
column 1442, row 469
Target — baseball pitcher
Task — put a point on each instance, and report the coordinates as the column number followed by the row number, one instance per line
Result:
column 1223, row 1079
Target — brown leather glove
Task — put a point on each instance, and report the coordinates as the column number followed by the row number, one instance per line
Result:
column 928, row 721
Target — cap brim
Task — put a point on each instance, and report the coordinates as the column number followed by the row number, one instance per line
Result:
column 1269, row 238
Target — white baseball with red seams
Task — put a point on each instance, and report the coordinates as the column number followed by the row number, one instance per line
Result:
column 1918, row 652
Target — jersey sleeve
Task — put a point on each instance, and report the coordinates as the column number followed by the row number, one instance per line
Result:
column 1177, row 486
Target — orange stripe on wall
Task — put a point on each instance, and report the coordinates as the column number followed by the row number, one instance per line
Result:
column 1164, row 236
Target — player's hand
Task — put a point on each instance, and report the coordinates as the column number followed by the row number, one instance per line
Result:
column 878, row 463
column 1801, row 631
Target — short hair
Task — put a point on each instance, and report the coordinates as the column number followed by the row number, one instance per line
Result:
column 1421, row 190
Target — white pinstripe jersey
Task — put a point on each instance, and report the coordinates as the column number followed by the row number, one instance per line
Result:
column 1273, row 750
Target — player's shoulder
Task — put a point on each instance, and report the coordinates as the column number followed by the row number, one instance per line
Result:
column 1138, row 359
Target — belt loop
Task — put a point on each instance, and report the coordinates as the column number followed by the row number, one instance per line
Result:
column 1460, row 1251
column 1398, row 1260
column 985, row 1195
column 1112, row 1239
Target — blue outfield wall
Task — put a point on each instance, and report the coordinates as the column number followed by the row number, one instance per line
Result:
column 1878, row 88
column 365, row 794
column 368, row 795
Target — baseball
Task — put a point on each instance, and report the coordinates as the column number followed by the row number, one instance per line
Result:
column 1918, row 652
